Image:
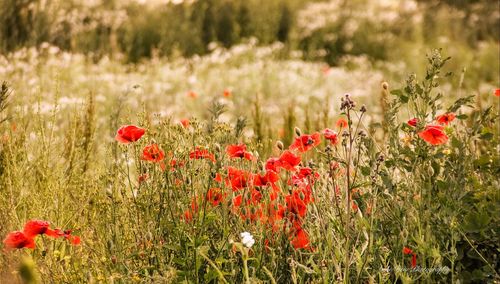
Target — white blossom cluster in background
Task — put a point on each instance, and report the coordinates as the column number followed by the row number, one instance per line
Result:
column 319, row 15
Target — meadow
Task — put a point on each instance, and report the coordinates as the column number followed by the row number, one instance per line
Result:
column 299, row 147
column 382, row 184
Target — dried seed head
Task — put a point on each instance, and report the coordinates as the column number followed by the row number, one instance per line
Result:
column 363, row 108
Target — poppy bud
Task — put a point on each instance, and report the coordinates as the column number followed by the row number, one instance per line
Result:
column 298, row 132
column 385, row 85
column 363, row 108
column 280, row 145
column 217, row 147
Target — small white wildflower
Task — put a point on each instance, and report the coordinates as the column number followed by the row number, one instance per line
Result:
column 247, row 239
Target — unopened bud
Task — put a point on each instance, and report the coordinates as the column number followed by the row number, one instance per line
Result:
column 217, row 147
column 363, row 108
column 280, row 145
column 298, row 131
column 385, row 86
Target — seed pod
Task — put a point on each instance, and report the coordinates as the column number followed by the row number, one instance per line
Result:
column 280, row 145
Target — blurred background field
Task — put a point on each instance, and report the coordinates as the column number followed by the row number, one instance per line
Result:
column 175, row 57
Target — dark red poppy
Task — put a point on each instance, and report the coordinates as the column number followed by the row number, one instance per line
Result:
column 153, row 153
column 305, row 142
column 413, row 122
column 445, row 118
column 200, row 153
column 434, row 135
column 331, row 135
column 341, row 123
column 239, row 151
column 18, row 240
column 289, row 160
column 129, row 133
column 215, row 196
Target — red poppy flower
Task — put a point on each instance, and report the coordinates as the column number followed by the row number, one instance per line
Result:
column 273, row 164
column 238, row 179
column 18, row 240
column 434, row 134
column 445, row 118
column 215, row 196
column 239, row 151
column 200, row 153
column 305, row 142
column 497, row 92
column 295, row 204
column 413, row 122
column 407, row 250
column 269, row 177
column 192, row 94
column 153, row 153
column 331, row 135
column 74, row 240
column 303, row 176
column 341, row 123
column 289, row 160
column 300, row 240
column 236, row 202
column 227, row 93
column 185, row 122
column 129, row 133
column 142, row 178
column 38, row 227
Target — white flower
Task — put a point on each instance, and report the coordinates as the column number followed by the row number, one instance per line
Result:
column 247, row 239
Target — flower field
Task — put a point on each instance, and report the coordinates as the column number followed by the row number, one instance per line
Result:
column 242, row 167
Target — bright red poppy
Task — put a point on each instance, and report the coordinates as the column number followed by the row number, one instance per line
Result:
column 341, row 123
column 408, row 251
column 270, row 177
column 18, row 240
column 331, row 135
column 445, row 118
column 153, row 153
column 295, row 204
column 413, row 122
column 33, row 228
column 497, row 92
column 239, row 151
column 129, row 133
column 273, row 164
column 300, row 239
column 227, row 93
column 305, row 142
column 200, row 153
column 289, row 160
column 434, row 134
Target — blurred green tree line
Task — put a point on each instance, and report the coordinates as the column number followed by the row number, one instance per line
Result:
column 110, row 27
